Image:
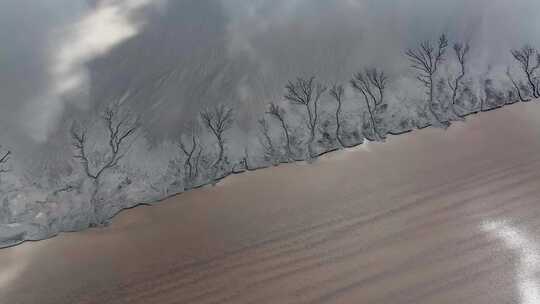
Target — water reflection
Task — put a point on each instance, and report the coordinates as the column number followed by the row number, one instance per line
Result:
column 94, row 35
column 528, row 252
column 16, row 262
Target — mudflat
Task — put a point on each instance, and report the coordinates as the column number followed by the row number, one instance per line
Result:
column 432, row 216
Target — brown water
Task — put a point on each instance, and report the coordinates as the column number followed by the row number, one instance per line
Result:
column 429, row 217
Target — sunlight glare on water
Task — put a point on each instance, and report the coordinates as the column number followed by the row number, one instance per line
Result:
column 529, row 257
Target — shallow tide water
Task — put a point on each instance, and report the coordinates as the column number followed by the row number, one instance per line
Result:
column 432, row 216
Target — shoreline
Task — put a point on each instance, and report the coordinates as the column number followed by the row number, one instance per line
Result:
column 382, row 205
column 234, row 172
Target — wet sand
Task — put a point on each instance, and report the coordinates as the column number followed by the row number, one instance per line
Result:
column 428, row 217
